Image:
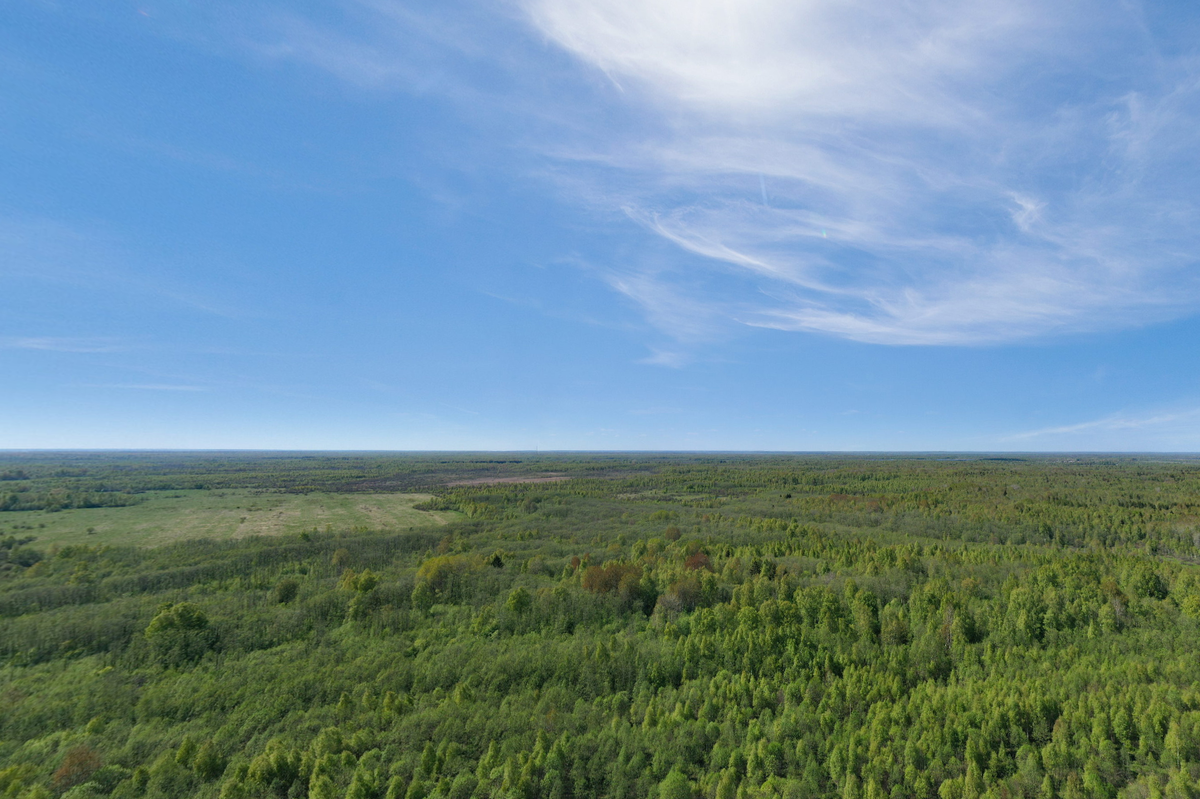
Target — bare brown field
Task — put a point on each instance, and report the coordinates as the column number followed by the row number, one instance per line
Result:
column 483, row 481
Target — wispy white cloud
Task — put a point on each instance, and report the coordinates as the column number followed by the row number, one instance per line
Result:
column 376, row 44
column 1167, row 430
column 658, row 411
column 145, row 386
column 674, row 358
column 925, row 173
column 64, row 344
column 939, row 173
column 1114, row 422
column 348, row 58
column 86, row 256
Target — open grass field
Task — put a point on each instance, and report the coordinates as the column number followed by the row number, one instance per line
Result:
column 167, row 516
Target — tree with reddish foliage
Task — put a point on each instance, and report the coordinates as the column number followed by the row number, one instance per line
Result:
column 698, row 560
column 623, row 578
column 607, row 578
column 77, row 768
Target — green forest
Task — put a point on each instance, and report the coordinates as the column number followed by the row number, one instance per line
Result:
column 610, row 625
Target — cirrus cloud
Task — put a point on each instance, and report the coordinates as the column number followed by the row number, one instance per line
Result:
column 931, row 172
column 934, row 172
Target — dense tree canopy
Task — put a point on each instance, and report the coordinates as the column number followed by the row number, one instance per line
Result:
column 687, row 627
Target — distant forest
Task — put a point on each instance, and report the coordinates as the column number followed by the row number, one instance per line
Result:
column 612, row 625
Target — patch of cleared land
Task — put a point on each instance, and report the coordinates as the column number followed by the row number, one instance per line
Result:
column 487, row 481
column 169, row 516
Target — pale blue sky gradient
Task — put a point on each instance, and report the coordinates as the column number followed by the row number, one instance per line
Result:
column 600, row 224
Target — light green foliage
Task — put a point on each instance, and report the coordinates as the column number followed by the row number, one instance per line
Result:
column 208, row 763
column 519, row 600
column 448, row 577
column 849, row 627
column 675, row 786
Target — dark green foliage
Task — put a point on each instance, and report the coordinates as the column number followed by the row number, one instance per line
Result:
column 179, row 634
column 286, row 590
column 673, row 626
column 57, row 499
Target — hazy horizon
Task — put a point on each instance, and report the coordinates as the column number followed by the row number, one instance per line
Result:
column 964, row 454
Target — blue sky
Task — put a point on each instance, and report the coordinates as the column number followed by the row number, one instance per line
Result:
column 600, row 224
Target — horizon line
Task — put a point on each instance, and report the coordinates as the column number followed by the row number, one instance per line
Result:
column 251, row 450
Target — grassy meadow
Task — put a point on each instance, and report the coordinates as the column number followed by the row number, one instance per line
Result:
column 167, row 516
